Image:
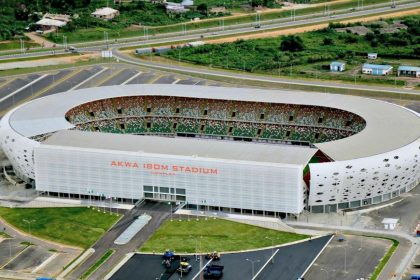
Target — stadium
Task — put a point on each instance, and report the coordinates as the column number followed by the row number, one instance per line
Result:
column 253, row 151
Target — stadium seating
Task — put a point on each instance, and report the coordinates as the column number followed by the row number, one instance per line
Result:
column 211, row 117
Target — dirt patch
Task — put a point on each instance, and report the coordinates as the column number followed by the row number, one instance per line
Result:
column 294, row 30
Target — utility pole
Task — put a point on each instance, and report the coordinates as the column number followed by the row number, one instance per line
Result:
column 65, row 42
column 106, row 39
column 146, row 33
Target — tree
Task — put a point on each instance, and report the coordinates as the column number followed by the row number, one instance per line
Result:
column 328, row 41
column 292, row 43
column 202, row 8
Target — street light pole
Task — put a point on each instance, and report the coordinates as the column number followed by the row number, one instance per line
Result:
column 272, row 248
column 252, row 265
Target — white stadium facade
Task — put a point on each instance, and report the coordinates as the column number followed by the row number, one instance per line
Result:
column 229, row 149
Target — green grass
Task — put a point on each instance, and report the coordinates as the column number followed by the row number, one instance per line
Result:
column 97, row 264
column 385, row 259
column 73, row 226
column 213, row 235
column 36, row 58
column 12, row 45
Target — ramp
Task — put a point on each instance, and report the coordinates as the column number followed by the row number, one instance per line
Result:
column 133, row 229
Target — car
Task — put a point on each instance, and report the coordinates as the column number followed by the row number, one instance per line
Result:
column 168, row 255
column 213, row 271
column 39, row 31
column 257, row 26
column 393, row 6
column 184, row 267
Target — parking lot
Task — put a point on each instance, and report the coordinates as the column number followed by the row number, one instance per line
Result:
column 289, row 263
column 354, row 258
column 15, row 90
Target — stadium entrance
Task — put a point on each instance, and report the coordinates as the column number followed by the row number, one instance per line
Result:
column 164, row 193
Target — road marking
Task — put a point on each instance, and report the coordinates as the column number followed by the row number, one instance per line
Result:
column 44, row 263
column 176, row 81
column 22, row 88
column 15, row 257
column 56, row 82
column 88, row 79
column 196, row 83
column 114, row 73
column 132, row 78
column 154, row 79
column 267, row 262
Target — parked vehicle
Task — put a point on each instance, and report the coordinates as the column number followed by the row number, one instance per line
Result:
column 213, row 271
column 184, row 268
column 168, row 255
column 415, row 277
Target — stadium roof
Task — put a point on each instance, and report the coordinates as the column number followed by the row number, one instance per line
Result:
column 183, row 147
column 388, row 126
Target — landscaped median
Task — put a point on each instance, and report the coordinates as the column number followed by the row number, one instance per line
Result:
column 385, row 259
column 97, row 264
column 76, row 226
column 207, row 235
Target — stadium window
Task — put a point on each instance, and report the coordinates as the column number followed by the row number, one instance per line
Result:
column 96, row 128
column 259, row 131
column 262, row 116
column 122, row 126
column 317, row 135
column 320, row 119
column 233, row 114
column 119, row 111
column 91, row 114
column 148, row 125
column 148, row 110
column 148, row 188
column 290, row 118
column 174, row 125
column 202, row 127
column 288, row 133
column 230, row 129
column 177, row 111
column 348, row 123
column 205, row 112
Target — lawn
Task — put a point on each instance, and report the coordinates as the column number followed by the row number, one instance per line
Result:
column 73, row 226
column 213, row 235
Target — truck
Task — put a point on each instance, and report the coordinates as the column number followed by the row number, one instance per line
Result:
column 213, row 271
column 418, row 230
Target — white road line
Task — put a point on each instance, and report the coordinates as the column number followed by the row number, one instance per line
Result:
column 176, row 81
column 268, row 261
column 44, row 263
column 132, row 78
column 22, row 88
column 88, row 79
column 196, row 83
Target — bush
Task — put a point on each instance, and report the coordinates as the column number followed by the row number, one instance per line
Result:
column 292, row 43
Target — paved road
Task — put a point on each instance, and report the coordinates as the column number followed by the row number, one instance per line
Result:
column 159, row 213
column 196, row 34
column 290, row 263
column 16, row 84
column 239, row 76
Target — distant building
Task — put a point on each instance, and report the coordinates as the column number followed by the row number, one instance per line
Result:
column 175, row 8
column 217, row 10
column 376, row 69
column 410, row 71
column 53, row 21
column 105, row 13
column 187, row 3
column 336, row 66
column 372, row 55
